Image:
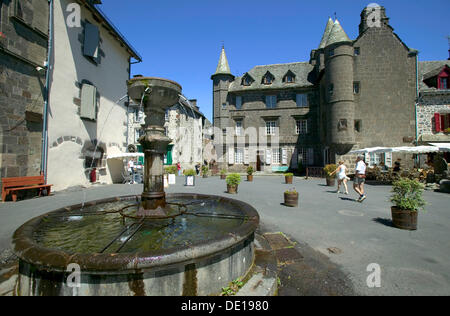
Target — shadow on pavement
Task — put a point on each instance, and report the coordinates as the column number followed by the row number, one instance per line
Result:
column 384, row 221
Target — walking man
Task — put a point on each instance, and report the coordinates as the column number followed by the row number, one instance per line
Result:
column 360, row 178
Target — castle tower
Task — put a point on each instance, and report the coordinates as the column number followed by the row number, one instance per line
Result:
column 339, row 89
column 221, row 82
column 317, row 55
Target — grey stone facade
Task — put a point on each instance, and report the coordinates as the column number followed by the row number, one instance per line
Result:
column 361, row 93
column 23, row 48
column 431, row 101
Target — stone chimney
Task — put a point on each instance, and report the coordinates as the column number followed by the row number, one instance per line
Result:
column 194, row 103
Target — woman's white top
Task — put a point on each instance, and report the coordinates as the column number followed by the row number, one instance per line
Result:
column 341, row 174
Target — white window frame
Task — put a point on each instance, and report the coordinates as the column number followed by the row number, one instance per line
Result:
column 238, row 128
column 301, row 127
column 276, row 156
column 271, row 127
column 239, row 156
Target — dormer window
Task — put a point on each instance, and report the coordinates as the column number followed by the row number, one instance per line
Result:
column 443, row 83
column 438, row 78
column 268, row 78
column 247, row 80
column 289, row 77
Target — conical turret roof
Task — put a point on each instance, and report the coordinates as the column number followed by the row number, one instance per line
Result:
column 326, row 34
column 337, row 34
column 223, row 68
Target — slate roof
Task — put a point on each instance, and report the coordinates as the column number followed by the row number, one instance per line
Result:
column 303, row 71
column 223, row 67
column 337, row 34
column 429, row 68
column 326, row 34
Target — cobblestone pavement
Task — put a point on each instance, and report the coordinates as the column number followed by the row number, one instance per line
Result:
column 336, row 237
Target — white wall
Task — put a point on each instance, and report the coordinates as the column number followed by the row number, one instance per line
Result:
column 187, row 138
column 65, row 165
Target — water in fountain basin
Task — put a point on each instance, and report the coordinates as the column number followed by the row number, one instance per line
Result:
column 92, row 232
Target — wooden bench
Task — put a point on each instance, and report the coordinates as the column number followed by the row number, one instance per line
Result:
column 14, row 185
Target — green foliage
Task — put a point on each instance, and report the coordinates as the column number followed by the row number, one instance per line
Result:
column 190, row 172
column 205, row 169
column 291, row 191
column 250, row 170
column 171, row 169
column 407, row 194
column 289, row 174
column 232, row 288
column 447, row 130
column 329, row 169
column 223, row 172
column 233, row 179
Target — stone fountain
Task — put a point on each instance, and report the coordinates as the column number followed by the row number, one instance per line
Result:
column 152, row 244
column 156, row 95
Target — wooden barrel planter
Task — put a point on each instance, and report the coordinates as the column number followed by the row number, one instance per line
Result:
column 249, row 177
column 331, row 182
column 403, row 219
column 291, row 199
column 232, row 189
column 289, row 179
column 223, row 176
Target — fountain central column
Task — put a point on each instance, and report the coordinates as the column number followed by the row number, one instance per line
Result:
column 154, row 144
column 155, row 95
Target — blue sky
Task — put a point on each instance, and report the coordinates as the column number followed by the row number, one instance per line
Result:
column 181, row 40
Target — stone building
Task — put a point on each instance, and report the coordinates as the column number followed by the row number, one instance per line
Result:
column 23, row 52
column 433, row 108
column 88, row 94
column 351, row 94
column 185, row 127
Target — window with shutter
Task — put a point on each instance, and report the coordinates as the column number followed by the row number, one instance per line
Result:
column 91, row 41
column 246, row 156
column 388, row 160
column 88, row 109
column 231, row 155
column 268, row 157
column 284, row 156
column 439, row 123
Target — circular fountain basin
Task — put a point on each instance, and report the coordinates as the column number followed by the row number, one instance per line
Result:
column 164, row 92
column 186, row 254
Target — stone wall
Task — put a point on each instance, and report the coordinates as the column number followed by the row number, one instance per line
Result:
column 23, row 48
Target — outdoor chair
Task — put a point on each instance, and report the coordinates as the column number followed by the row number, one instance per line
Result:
column 127, row 178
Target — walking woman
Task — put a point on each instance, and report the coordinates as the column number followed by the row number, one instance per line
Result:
column 341, row 176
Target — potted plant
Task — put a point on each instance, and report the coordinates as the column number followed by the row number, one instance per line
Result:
column 171, row 171
column 329, row 169
column 291, row 198
column 250, row 174
column 233, row 181
column 407, row 199
column 189, row 177
column 223, row 174
column 205, row 170
column 288, row 177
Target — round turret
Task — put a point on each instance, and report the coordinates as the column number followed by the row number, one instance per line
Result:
column 339, row 87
